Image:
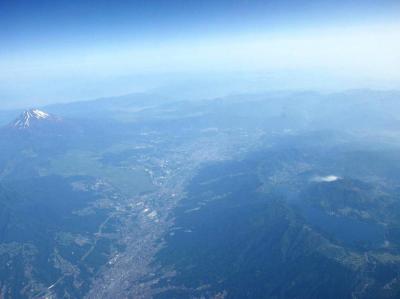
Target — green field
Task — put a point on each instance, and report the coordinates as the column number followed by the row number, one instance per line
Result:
column 130, row 180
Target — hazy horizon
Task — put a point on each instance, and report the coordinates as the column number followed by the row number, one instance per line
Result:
column 76, row 50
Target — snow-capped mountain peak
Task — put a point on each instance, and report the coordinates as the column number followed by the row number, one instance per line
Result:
column 29, row 117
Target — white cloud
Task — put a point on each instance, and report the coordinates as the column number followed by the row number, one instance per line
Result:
column 327, row 179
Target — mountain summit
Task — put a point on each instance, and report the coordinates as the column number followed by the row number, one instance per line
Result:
column 31, row 118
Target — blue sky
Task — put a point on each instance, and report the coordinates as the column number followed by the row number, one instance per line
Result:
column 36, row 24
column 53, row 50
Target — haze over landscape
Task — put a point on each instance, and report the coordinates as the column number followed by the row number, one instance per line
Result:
column 200, row 149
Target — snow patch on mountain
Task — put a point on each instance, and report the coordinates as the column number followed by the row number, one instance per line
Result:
column 28, row 117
